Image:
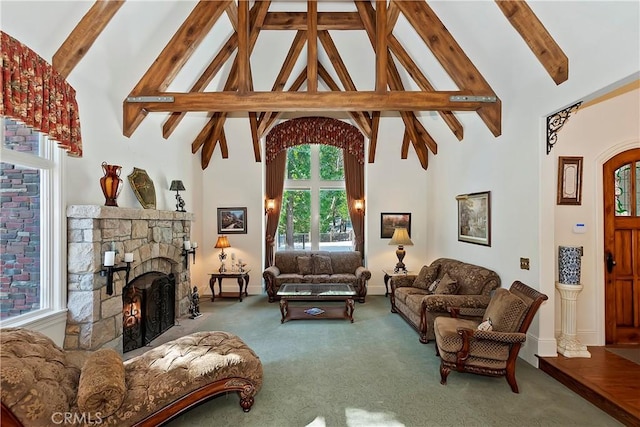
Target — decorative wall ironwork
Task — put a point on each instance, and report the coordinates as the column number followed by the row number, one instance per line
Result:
column 555, row 123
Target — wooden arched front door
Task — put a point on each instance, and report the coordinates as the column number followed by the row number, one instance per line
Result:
column 621, row 182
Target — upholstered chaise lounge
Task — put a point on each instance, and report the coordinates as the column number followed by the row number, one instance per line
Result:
column 43, row 385
column 317, row 267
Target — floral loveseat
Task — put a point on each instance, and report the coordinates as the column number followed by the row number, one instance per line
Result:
column 43, row 385
column 443, row 284
column 316, row 267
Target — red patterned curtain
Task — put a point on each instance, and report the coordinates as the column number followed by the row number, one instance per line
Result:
column 35, row 94
column 314, row 130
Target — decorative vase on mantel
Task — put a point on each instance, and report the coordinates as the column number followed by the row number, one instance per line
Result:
column 110, row 183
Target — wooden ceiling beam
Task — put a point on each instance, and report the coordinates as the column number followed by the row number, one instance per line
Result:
column 82, row 37
column 203, row 81
column 381, row 45
column 232, row 14
column 373, row 139
column 173, row 57
column 232, row 84
column 244, row 65
column 326, row 21
column 414, row 71
column 287, row 67
column 452, row 57
column 406, row 143
column 541, row 43
column 393, row 13
column 361, row 118
column 315, row 102
column 266, row 125
column 336, row 60
column 395, row 83
column 312, row 46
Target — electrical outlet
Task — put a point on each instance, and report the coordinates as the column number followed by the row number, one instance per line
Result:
column 524, row 263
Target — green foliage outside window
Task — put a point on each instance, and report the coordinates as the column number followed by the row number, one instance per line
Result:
column 299, row 162
column 331, row 163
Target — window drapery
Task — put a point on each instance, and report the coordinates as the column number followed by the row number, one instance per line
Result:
column 32, row 92
column 314, row 130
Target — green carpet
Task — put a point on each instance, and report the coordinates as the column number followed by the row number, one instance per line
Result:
column 371, row 373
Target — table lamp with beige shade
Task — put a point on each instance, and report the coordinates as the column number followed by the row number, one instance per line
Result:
column 401, row 239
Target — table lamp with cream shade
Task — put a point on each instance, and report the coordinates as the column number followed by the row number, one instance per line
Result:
column 401, row 239
column 222, row 243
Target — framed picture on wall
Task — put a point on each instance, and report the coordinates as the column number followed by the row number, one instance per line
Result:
column 569, row 181
column 474, row 218
column 232, row 220
column 391, row 221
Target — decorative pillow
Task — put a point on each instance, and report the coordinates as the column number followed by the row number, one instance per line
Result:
column 486, row 326
column 305, row 266
column 506, row 311
column 426, row 276
column 102, row 386
column 432, row 287
column 446, row 286
column 322, row 265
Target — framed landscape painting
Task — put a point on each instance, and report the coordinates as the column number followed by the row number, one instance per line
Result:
column 391, row 221
column 232, row 220
column 474, row 218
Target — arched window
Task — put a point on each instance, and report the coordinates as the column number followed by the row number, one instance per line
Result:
column 335, row 175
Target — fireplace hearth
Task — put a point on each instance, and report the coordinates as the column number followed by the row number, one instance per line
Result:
column 97, row 319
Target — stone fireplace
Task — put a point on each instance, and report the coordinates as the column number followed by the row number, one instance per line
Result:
column 95, row 319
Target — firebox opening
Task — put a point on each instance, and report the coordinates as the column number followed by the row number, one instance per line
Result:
column 148, row 308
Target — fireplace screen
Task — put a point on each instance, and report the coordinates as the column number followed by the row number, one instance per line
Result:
column 148, row 309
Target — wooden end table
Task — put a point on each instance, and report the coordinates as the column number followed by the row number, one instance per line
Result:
column 389, row 273
column 241, row 276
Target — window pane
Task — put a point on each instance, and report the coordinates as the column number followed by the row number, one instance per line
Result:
column 295, row 220
column 299, row 162
column 638, row 189
column 336, row 232
column 20, row 137
column 331, row 163
column 623, row 190
column 19, row 240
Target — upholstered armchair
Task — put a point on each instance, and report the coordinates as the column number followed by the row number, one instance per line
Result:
column 489, row 346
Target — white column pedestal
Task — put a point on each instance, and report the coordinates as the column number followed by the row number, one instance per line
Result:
column 568, row 344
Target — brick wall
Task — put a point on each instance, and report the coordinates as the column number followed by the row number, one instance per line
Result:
column 19, row 226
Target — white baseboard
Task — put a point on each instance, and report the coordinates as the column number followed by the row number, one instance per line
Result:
column 535, row 347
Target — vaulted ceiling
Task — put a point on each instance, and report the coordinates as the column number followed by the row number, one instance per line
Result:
column 306, row 83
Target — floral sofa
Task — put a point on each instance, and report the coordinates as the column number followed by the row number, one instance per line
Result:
column 43, row 385
column 316, row 267
column 443, row 284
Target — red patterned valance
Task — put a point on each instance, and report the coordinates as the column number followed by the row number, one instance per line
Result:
column 35, row 94
column 315, row 130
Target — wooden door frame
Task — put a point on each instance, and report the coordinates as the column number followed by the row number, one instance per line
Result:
column 599, row 162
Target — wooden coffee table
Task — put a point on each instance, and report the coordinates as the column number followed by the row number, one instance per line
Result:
column 316, row 292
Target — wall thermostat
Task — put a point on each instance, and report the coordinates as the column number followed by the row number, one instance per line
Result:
column 579, row 228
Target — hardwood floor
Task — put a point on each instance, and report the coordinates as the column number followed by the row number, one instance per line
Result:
column 607, row 380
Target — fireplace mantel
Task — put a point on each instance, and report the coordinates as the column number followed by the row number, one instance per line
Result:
column 155, row 237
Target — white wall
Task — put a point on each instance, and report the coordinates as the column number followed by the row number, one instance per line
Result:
column 596, row 133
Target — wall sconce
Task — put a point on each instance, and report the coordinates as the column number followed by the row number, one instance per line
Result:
column 401, row 238
column 359, row 205
column 269, row 206
column 189, row 248
column 109, row 268
column 176, row 186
